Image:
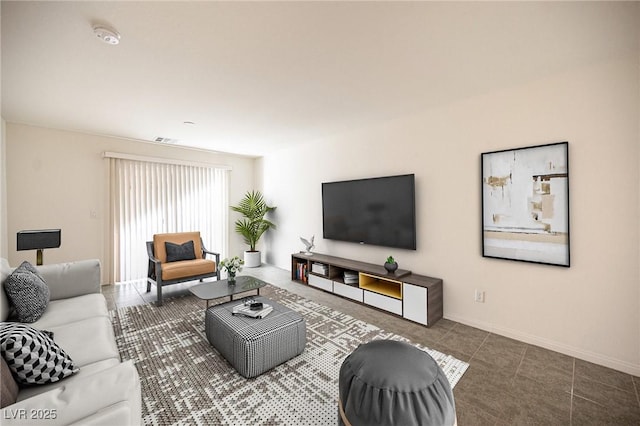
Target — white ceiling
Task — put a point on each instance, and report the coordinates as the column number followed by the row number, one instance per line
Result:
column 256, row 77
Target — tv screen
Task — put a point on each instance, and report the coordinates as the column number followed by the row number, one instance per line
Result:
column 378, row 211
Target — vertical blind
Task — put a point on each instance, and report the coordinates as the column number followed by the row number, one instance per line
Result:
column 150, row 198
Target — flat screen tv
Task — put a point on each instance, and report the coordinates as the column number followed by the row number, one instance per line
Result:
column 378, row 211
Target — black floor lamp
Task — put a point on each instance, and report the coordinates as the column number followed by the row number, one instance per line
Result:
column 39, row 240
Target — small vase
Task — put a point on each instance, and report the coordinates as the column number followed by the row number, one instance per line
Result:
column 391, row 267
column 232, row 278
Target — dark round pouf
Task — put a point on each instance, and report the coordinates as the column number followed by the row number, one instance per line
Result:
column 386, row 382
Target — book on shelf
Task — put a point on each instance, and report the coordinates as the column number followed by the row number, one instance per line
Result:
column 350, row 277
column 245, row 309
column 319, row 268
column 301, row 272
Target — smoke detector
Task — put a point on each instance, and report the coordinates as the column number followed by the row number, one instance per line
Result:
column 107, row 35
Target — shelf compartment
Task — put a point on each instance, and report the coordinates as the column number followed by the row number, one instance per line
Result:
column 354, row 278
column 384, row 286
column 299, row 270
column 321, row 269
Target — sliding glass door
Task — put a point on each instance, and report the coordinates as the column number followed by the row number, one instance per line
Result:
column 150, row 197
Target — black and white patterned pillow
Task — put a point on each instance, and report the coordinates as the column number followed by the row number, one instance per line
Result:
column 32, row 355
column 28, row 292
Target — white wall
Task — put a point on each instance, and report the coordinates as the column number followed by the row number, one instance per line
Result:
column 57, row 178
column 638, row 141
column 4, row 251
column 590, row 310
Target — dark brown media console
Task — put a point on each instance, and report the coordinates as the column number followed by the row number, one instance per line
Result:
column 417, row 298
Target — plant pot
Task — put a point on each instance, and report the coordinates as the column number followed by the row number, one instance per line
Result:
column 252, row 259
column 391, row 267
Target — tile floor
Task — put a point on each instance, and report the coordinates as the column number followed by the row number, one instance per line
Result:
column 508, row 382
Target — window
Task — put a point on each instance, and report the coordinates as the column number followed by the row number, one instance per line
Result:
column 149, row 197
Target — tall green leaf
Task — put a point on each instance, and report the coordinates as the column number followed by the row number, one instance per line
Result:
column 253, row 208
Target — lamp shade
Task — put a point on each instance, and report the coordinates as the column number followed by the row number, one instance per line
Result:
column 39, row 239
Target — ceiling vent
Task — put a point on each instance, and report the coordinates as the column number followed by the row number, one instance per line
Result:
column 170, row 141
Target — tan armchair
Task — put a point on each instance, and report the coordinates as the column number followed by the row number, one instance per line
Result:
column 162, row 272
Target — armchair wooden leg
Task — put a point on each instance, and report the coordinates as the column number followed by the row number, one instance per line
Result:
column 148, row 285
column 159, row 302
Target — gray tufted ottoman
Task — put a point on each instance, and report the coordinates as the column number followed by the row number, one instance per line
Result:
column 254, row 345
column 385, row 382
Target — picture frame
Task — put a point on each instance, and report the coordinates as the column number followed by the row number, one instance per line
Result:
column 525, row 204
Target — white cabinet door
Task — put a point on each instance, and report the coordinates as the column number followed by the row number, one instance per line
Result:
column 320, row 282
column 383, row 302
column 414, row 299
column 347, row 291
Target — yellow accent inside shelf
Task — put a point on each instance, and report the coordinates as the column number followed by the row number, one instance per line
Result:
column 384, row 286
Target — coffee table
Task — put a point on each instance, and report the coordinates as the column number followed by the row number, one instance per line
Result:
column 255, row 345
column 217, row 289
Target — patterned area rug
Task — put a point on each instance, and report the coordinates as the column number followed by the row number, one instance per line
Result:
column 186, row 381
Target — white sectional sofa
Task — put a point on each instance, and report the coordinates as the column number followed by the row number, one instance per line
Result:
column 105, row 391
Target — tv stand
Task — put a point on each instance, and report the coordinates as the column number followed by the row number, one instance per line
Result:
column 417, row 298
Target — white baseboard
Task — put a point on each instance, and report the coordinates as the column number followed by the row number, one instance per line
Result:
column 589, row 356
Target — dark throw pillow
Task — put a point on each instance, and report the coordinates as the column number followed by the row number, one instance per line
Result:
column 28, row 292
column 32, row 355
column 177, row 252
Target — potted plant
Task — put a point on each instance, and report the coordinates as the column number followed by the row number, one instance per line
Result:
column 232, row 266
column 390, row 265
column 253, row 224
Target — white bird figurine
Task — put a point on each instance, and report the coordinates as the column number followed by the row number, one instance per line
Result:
column 308, row 245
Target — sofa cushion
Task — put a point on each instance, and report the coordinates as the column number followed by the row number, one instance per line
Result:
column 71, row 279
column 176, row 252
column 28, row 292
column 109, row 397
column 187, row 268
column 86, row 370
column 88, row 341
column 66, row 311
column 32, row 355
column 9, row 391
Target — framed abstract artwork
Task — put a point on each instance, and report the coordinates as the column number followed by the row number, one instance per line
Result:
column 525, row 204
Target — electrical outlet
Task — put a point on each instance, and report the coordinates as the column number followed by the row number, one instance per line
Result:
column 479, row 296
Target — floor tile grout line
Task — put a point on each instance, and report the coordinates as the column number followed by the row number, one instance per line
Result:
column 635, row 386
column 479, row 346
column 609, row 385
column 524, row 354
column 573, row 380
column 447, row 333
column 483, row 342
